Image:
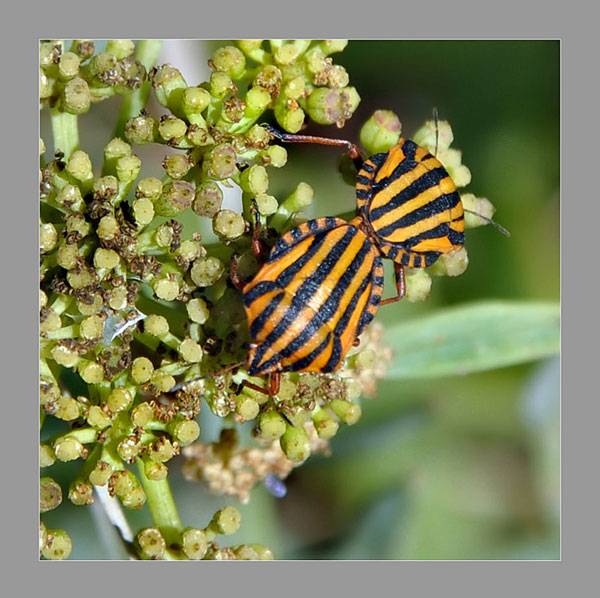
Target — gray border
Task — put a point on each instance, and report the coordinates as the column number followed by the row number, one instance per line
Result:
column 454, row 19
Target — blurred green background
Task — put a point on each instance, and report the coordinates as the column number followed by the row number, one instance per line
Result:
column 463, row 467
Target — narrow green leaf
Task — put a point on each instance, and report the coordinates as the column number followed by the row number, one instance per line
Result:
column 473, row 338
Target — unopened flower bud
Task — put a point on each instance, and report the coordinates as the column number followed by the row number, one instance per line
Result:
column 381, row 132
column 226, row 521
column 349, row 413
column 271, row 425
column 221, row 162
column 176, row 197
column 208, row 199
column 230, row 60
column 206, row 271
column 120, row 48
column 141, row 129
column 50, row 494
column 332, row 106
column 229, row 225
column 151, row 543
column 177, row 165
column 172, row 129
column 190, row 351
column 168, row 84
column 81, row 493
column 295, row 444
column 76, row 96
column 58, row 545
column 418, row 284
column 194, row 543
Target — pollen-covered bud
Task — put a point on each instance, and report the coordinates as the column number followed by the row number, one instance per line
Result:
column 267, row 204
column 91, row 327
column 101, row 473
column 418, row 284
column 122, row 482
column 162, row 450
column 143, row 211
column 221, row 162
column 289, row 114
column 141, row 129
column 230, row 60
column 208, row 199
column 151, row 543
column 225, row 521
column 106, row 259
column 47, row 456
column 77, row 98
column 206, row 271
column 246, row 407
column 176, row 197
column 194, row 543
column 295, row 444
column 166, row 288
column 68, row 66
column 155, row 471
column 168, row 84
column 134, row 499
column 70, row 197
column 108, row 228
column 331, row 46
column 177, row 165
column 58, row 545
column 289, row 52
column 246, row 552
column 64, row 356
column 229, row 225
column 81, row 493
column 50, row 494
column 332, row 106
column 430, row 134
column 381, row 132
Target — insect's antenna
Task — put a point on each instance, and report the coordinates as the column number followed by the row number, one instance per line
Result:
column 217, row 373
column 497, row 226
column 437, row 130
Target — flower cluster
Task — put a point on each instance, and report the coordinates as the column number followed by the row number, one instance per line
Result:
column 139, row 311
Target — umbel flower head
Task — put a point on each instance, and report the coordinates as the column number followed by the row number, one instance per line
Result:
column 140, row 327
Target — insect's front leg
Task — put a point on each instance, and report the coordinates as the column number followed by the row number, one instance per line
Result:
column 400, row 285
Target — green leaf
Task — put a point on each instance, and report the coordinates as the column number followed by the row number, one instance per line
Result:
column 473, row 338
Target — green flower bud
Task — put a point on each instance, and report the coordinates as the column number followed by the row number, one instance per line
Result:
column 199, row 135
column 46, row 86
column 177, row 165
column 106, row 258
column 50, row 52
column 143, row 211
column 220, row 85
column 197, row 310
column 258, row 136
column 184, row 431
column 102, row 69
column 122, row 482
column 246, row 407
column 271, row 425
column 141, row 370
column 116, row 148
column 49, row 321
column 156, row 325
column 128, row 168
column 168, row 84
column 226, row 521
column 289, row 115
column 300, row 198
column 206, row 271
column 67, row 409
column 68, row 448
column 84, row 48
column 381, row 132
column 163, row 382
column 267, row 204
column 97, row 418
column 106, row 186
column 92, row 373
column 208, row 200
column 142, row 414
column 172, row 129
column 349, row 413
column 93, row 305
column 325, row 425
column 101, row 473
column 257, row 101
column 120, row 48
column 141, row 129
column 194, row 543
column 418, row 284
column 295, row 444
column 67, row 256
column 229, row 225
column 129, row 448
column 47, row 456
column 92, row 327
column 162, row 450
column 190, row 351
column 166, row 288
column 79, row 166
column 194, row 101
column 149, row 188
column 426, row 136
column 77, row 98
column 175, row 198
column 108, row 228
column 151, row 543
column 155, row 471
column 330, row 46
column 221, row 162
column 264, row 553
column 70, row 197
column 119, row 399
column 246, row 552
column 76, row 223
column 453, row 263
column 230, row 60
column 332, row 106
column 190, row 250
column 50, row 494
column 134, row 499
column 255, row 180
column 58, row 546
column 48, row 237
column 43, row 536
column 81, row 493
column 64, row 356
column 288, row 53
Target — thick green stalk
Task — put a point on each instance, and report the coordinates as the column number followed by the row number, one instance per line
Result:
column 147, row 52
column 65, row 131
column 162, row 506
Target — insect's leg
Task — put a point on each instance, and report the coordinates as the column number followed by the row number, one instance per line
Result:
column 235, row 278
column 252, row 386
column 350, row 147
column 400, row 285
column 437, row 130
column 257, row 246
column 274, row 383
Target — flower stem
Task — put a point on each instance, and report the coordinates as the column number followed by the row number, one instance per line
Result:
column 65, row 131
column 147, row 52
column 162, row 506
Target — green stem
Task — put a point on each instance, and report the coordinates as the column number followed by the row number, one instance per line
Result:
column 64, row 131
column 147, row 52
column 162, row 506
